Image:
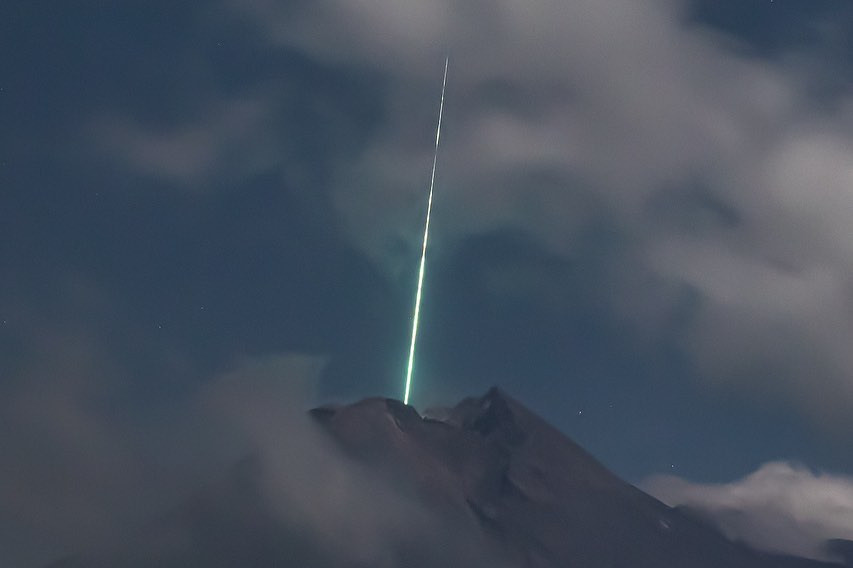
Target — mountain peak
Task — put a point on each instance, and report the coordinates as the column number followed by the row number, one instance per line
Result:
column 541, row 498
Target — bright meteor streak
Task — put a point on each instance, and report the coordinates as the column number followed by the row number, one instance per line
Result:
column 417, row 313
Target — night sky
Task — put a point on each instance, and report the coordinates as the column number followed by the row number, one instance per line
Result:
column 643, row 231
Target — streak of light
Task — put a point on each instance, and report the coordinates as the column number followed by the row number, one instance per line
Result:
column 417, row 313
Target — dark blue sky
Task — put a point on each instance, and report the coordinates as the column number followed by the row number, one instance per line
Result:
column 186, row 185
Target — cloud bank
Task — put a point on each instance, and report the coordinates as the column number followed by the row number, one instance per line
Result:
column 781, row 507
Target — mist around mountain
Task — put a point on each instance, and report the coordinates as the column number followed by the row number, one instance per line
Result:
column 485, row 483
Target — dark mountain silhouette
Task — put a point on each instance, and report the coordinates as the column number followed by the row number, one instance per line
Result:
column 841, row 548
column 491, row 473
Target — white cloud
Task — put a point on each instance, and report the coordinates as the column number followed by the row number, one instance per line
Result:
column 781, row 507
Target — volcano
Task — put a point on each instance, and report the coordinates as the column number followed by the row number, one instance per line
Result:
column 541, row 499
column 506, row 488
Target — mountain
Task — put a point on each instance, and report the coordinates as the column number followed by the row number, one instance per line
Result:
column 485, row 483
column 543, row 500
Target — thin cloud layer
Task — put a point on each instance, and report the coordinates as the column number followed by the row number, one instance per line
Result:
column 720, row 172
column 231, row 139
column 781, row 507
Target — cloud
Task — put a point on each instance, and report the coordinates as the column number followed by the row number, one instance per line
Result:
column 71, row 471
column 232, row 139
column 781, row 507
column 720, row 172
column 97, row 472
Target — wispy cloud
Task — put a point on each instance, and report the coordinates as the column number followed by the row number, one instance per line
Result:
column 232, row 139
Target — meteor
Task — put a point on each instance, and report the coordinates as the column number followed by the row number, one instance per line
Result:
column 417, row 312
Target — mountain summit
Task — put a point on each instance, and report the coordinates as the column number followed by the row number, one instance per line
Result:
column 540, row 499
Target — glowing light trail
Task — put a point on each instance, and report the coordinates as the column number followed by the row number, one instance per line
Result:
column 417, row 313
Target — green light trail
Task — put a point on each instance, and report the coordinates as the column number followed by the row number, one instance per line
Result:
column 417, row 313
